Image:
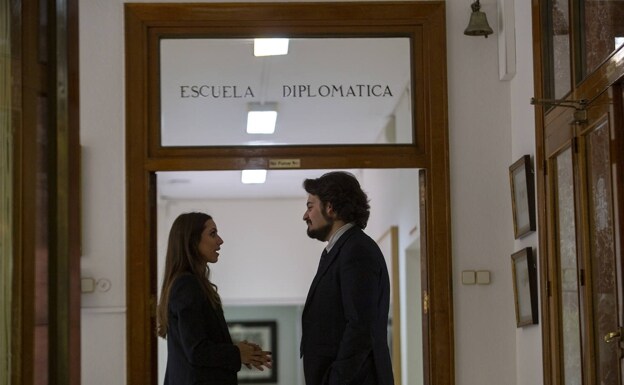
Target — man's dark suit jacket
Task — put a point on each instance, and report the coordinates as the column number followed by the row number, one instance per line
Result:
column 199, row 346
column 345, row 318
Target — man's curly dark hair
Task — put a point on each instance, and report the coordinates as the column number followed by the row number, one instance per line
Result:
column 343, row 191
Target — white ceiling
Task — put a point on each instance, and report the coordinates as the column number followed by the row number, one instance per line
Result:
column 227, row 184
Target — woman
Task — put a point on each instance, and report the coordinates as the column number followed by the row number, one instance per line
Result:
column 190, row 316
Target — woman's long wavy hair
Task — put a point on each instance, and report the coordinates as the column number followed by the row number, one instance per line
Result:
column 183, row 257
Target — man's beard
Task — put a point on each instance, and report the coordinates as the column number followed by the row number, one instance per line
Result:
column 322, row 232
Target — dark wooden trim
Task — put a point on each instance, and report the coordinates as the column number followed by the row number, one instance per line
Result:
column 439, row 258
column 424, row 273
column 144, row 154
column 617, row 156
column 74, row 192
column 26, row 84
column 266, row 14
column 541, row 183
column 346, row 160
column 30, row 84
column 139, row 336
column 602, row 79
column 17, row 111
column 64, row 193
column 407, row 153
column 153, row 269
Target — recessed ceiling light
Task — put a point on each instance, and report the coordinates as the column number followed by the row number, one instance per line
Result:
column 270, row 47
column 253, row 176
column 261, row 118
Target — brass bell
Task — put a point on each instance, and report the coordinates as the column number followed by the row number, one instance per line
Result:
column 478, row 25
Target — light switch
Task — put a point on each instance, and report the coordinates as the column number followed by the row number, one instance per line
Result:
column 468, row 277
column 87, row 285
column 483, row 277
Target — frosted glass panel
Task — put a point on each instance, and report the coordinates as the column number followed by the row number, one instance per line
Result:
column 601, row 232
column 602, row 30
column 568, row 273
column 325, row 91
column 560, row 68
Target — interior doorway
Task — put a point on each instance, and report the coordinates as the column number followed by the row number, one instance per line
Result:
column 266, row 278
column 422, row 24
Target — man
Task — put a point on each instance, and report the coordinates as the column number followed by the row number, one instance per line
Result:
column 345, row 318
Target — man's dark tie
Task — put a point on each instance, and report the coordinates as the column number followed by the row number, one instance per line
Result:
column 322, row 261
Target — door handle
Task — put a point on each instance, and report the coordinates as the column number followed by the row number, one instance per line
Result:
column 612, row 336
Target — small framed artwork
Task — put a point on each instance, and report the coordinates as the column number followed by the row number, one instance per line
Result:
column 525, row 286
column 522, row 196
column 263, row 333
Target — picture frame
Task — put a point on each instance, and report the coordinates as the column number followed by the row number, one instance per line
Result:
column 522, row 196
column 525, row 287
column 263, row 333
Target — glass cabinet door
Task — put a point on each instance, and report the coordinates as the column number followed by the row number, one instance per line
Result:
column 600, row 34
column 558, row 53
column 568, row 271
column 578, row 38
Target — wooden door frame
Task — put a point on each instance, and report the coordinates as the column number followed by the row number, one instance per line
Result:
column 144, row 157
column 54, row 79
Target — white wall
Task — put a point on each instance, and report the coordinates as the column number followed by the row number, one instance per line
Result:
column 266, row 257
column 528, row 339
column 102, row 133
column 490, row 123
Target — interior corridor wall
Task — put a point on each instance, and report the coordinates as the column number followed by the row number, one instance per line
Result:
column 490, row 124
column 482, row 234
column 528, row 339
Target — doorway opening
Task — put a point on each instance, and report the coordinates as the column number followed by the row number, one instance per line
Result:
column 148, row 25
column 266, row 277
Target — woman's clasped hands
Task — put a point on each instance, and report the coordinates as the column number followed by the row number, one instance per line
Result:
column 252, row 355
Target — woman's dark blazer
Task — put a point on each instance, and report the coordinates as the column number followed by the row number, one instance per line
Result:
column 345, row 318
column 199, row 346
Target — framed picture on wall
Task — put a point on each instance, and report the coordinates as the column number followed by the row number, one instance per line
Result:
column 525, row 287
column 263, row 333
column 522, row 196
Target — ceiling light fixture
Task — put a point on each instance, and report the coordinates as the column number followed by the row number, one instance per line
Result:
column 261, row 118
column 270, row 47
column 253, row 176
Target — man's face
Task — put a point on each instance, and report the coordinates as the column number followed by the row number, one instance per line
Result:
column 318, row 218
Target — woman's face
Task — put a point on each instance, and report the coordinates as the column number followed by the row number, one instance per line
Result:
column 210, row 242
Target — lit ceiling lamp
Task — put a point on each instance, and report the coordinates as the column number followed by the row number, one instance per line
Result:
column 253, row 176
column 261, row 118
column 478, row 25
column 270, row 47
